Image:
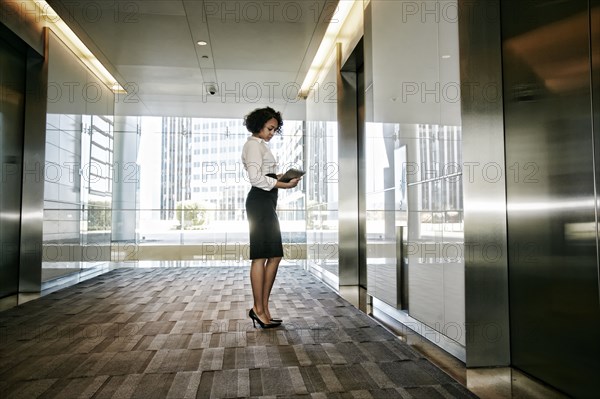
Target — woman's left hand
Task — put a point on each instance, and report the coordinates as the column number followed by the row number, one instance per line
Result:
column 293, row 183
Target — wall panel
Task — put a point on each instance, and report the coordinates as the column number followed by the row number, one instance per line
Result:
column 552, row 221
column 12, row 109
column 486, row 263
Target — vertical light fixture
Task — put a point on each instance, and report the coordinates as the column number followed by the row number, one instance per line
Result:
column 53, row 21
column 327, row 45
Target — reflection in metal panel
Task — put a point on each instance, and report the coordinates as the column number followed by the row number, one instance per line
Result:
column 351, row 241
column 34, row 143
column 554, row 308
column 12, row 108
column 486, row 274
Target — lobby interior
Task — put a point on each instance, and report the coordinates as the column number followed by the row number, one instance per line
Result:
column 443, row 243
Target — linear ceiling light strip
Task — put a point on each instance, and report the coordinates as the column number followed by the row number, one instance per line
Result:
column 327, row 45
column 59, row 27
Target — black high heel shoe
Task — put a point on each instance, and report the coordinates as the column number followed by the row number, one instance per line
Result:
column 277, row 321
column 254, row 318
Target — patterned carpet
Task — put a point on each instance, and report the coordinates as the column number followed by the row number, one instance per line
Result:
column 185, row 333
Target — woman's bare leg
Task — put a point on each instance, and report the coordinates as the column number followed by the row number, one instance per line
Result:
column 271, row 267
column 257, row 280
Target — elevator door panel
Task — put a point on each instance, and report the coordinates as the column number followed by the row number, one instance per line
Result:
column 553, row 265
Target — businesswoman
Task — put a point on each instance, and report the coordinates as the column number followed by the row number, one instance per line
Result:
column 266, row 249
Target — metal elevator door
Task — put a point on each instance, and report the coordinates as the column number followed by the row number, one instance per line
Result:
column 12, row 109
column 552, row 220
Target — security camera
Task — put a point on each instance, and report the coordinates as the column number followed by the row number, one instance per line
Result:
column 211, row 89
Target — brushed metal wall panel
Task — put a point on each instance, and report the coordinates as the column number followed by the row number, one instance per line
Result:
column 349, row 236
column 362, row 169
column 595, row 61
column 486, row 276
column 34, row 145
column 552, row 220
column 12, row 110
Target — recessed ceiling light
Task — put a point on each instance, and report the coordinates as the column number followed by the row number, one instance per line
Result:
column 446, row 56
column 202, row 43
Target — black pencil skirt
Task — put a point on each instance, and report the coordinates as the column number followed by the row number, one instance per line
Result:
column 265, row 234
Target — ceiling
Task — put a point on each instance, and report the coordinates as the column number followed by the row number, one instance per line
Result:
column 257, row 54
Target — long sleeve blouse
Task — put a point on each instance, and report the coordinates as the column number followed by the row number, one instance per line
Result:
column 259, row 161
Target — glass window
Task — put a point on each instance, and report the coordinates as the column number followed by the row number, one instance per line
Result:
column 202, row 191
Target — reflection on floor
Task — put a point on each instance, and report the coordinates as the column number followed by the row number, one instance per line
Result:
column 487, row 383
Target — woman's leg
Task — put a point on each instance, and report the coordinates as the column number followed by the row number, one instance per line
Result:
column 270, row 273
column 257, row 280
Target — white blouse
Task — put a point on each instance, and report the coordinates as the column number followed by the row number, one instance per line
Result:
column 258, row 161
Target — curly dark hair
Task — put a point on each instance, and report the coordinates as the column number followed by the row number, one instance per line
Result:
column 256, row 119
